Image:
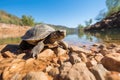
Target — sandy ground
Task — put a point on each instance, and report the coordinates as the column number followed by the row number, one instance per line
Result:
column 10, row 30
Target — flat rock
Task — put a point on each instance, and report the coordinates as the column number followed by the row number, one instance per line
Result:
column 80, row 50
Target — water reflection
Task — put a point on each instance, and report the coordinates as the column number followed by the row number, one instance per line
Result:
column 80, row 38
column 109, row 36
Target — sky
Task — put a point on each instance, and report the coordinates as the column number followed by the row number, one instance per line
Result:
column 68, row 13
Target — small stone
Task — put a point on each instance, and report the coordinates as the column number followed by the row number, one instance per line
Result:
column 83, row 57
column 48, row 68
column 96, row 44
column 36, row 76
column 91, row 63
column 54, row 72
column 8, row 54
column 74, row 58
column 98, row 57
column 61, row 51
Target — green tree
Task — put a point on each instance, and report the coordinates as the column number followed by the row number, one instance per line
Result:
column 88, row 23
column 112, row 3
column 113, row 6
column 27, row 20
column 101, row 15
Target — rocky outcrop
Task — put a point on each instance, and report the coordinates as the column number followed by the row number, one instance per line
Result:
column 100, row 62
column 110, row 22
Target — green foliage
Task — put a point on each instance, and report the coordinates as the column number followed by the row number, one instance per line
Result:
column 112, row 6
column 80, row 27
column 12, row 19
column 113, row 10
column 8, row 18
column 101, row 15
column 88, row 23
column 27, row 20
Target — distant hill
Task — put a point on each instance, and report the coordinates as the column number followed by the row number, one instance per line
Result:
column 60, row 27
column 12, row 19
column 9, row 18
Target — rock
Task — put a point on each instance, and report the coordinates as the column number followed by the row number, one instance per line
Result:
column 46, row 54
column 113, row 76
column 1, row 57
column 61, row 51
column 8, row 54
column 104, row 51
column 112, row 45
column 78, row 71
column 21, row 56
column 17, row 76
column 102, row 46
column 94, row 49
column 108, row 23
column 48, row 68
column 16, row 66
column 54, row 72
column 98, row 57
column 83, row 57
column 91, row 63
column 99, row 72
column 62, row 59
column 64, row 69
column 112, row 62
column 74, row 58
column 96, row 44
column 36, row 76
column 80, row 50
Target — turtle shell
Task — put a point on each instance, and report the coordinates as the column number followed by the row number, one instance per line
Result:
column 37, row 33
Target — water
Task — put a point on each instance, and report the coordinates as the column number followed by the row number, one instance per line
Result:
column 79, row 38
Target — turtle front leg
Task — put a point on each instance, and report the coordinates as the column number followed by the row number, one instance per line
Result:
column 63, row 44
column 37, row 49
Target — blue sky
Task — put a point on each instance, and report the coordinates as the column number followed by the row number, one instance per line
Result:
column 59, row 12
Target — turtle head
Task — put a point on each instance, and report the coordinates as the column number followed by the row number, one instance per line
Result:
column 57, row 35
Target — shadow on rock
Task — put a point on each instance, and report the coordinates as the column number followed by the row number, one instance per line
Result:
column 13, row 48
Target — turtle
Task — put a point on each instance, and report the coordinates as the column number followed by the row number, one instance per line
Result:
column 39, row 36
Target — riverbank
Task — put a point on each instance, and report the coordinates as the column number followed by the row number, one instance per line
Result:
column 110, row 22
column 11, row 30
column 100, row 62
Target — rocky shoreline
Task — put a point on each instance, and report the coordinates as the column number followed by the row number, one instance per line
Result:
column 111, row 22
column 100, row 62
